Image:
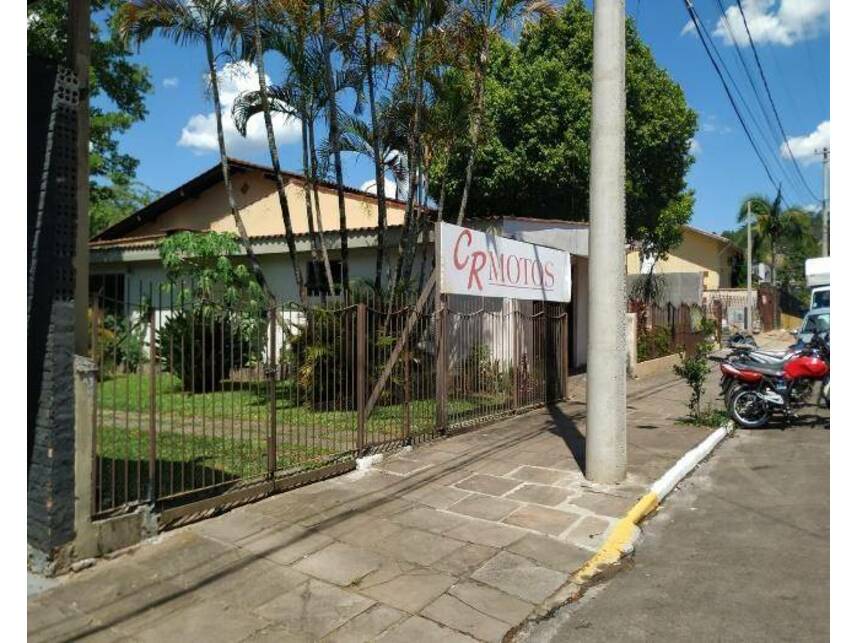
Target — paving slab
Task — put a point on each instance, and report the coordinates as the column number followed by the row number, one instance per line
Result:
column 487, row 484
column 452, row 612
column 367, row 626
column 539, row 494
column 425, row 631
column 410, row 591
column 314, row 609
column 417, row 546
column 429, row 519
column 589, row 532
column 520, row 577
column 285, row 544
column 492, row 534
column 492, row 601
column 605, row 504
column 485, row 507
column 340, row 564
column 203, row 621
column 539, row 475
column 550, row 552
column 464, row 560
column 542, row 519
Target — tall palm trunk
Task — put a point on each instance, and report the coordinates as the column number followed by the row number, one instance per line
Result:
column 380, row 188
column 315, row 249
column 411, row 231
column 255, row 266
column 319, row 224
column 275, row 156
column 333, row 123
column 475, row 125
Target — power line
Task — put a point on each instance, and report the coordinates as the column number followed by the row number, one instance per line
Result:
column 771, row 135
column 701, row 32
column 773, row 104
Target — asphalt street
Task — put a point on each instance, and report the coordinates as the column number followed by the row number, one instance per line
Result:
column 739, row 552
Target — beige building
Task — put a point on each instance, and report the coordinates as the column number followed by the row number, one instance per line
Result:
column 714, row 256
column 125, row 261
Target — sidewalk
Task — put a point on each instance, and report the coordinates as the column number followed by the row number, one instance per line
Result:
column 459, row 539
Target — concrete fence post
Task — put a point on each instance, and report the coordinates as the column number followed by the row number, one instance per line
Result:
column 85, row 382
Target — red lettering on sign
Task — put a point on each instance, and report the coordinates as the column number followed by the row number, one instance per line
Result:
column 477, row 264
column 460, row 264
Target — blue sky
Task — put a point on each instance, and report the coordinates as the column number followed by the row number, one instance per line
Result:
column 176, row 142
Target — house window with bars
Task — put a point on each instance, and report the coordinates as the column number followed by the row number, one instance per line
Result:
column 316, row 280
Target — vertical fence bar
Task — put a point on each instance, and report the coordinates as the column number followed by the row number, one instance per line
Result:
column 272, row 390
column 361, row 377
column 440, row 380
column 99, row 365
column 407, row 400
column 153, row 380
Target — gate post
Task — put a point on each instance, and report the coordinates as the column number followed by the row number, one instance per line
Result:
column 441, row 365
column 153, row 405
column 361, row 378
column 516, row 358
column 272, row 390
column 406, row 356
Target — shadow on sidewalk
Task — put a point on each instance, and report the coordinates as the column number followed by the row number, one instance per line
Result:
column 565, row 427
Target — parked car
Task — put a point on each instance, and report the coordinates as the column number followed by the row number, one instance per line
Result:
column 815, row 321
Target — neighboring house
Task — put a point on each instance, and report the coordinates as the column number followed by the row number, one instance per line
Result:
column 714, row 256
column 125, row 264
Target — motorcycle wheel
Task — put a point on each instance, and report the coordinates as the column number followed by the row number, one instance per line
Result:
column 748, row 409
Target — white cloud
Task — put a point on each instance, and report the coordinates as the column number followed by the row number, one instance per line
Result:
column 389, row 188
column 688, row 28
column 712, row 125
column 695, row 147
column 805, row 147
column 778, row 22
column 200, row 132
column 170, row 82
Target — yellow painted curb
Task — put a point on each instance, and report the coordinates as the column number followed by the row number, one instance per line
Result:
column 619, row 539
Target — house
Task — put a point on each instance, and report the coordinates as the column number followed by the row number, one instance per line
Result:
column 712, row 255
column 125, row 264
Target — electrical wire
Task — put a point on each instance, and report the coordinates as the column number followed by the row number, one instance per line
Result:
column 700, row 30
column 773, row 104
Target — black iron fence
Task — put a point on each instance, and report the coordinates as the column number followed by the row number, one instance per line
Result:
column 201, row 405
column 665, row 330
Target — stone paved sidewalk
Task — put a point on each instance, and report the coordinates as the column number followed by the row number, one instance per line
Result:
column 456, row 540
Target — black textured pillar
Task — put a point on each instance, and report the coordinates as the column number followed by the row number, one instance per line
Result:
column 51, row 232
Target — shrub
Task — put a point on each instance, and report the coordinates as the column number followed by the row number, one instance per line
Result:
column 202, row 350
column 121, row 344
column 654, row 343
column 694, row 369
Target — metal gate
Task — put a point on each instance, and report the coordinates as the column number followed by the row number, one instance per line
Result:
column 198, row 407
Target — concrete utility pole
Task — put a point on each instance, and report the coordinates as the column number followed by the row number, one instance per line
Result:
column 606, row 436
column 749, row 320
column 825, row 208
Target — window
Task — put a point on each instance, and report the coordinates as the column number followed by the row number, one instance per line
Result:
column 109, row 290
column 821, row 299
column 316, row 280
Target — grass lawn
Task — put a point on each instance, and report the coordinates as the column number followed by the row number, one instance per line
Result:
column 209, row 438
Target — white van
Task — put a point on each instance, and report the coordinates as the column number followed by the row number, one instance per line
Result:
column 818, row 279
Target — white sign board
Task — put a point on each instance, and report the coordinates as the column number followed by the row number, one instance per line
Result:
column 476, row 263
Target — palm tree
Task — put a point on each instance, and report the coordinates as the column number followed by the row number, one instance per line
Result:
column 301, row 94
column 206, row 22
column 326, row 28
column 773, row 224
column 479, row 22
column 254, row 48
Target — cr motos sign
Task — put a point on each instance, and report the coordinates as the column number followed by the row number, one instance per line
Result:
column 475, row 263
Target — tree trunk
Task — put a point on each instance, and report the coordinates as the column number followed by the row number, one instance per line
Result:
column 475, row 126
column 255, row 266
column 380, row 187
column 275, row 156
column 314, row 170
column 333, row 123
column 314, row 240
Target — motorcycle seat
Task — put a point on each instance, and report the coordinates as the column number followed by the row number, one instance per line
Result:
column 774, row 369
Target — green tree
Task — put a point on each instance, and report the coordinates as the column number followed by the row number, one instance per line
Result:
column 206, row 22
column 775, row 225
column 533, row 158
column 117, row 100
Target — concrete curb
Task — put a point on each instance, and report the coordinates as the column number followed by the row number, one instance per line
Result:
column 625, row 533
column 620, row 542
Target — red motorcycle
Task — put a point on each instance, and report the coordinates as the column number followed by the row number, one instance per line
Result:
column 757, row 389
